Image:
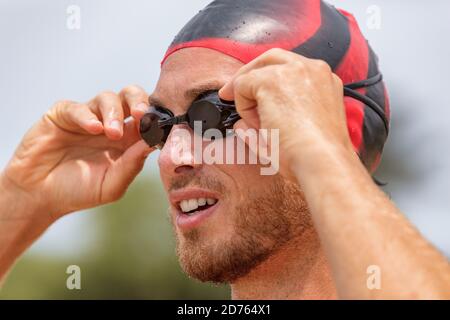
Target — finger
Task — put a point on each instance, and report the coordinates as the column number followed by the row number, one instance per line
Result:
column 75, row 117
column 228, row 90
column 136, row 100
column 271, row 57
column 112, row 113
column 241, row 125
column 244, row 91
column 86, row 119
column 123, row 171
column 246, row 133
column 240, row 129
column 275, row 56
column 131, row 134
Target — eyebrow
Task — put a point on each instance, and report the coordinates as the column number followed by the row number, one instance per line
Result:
column 190, row 94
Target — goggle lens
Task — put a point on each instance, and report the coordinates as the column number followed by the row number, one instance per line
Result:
column 213, row 113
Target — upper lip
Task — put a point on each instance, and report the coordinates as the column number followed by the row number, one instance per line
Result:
column 175, row 197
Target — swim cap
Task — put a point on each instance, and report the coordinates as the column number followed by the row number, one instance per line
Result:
column 244, row 29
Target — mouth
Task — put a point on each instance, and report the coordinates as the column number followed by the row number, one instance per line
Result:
column 193, row 207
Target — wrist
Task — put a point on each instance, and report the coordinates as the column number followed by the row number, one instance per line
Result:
column 321, row 161
column 20, row 223
column 19, row 205
column 333, row 180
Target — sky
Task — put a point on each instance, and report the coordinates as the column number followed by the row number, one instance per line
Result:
column 122, row 42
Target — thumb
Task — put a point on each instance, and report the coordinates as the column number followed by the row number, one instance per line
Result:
column 227, row 91
column 123, row 171
column 246, row 133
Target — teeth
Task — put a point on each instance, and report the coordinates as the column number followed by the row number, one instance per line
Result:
column 184, row 205
column 201, row 201
column 193, row 204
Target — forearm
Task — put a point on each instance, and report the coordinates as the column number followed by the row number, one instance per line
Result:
column 20, row 224
column 360, row 227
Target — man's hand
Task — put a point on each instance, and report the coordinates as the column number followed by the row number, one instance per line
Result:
column 79, row 155
column 358, row 225
column 299, row 96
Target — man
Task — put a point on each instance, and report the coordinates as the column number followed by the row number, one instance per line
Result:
column 312, row 231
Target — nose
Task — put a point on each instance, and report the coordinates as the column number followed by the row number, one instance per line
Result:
column 178, row 155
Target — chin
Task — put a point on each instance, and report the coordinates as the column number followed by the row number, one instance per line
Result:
column 225, row 241
column 221, row 257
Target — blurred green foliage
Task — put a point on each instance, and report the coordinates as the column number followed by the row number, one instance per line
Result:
column 133, row 257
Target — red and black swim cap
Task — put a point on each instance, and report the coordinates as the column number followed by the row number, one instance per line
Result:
column 244, row 29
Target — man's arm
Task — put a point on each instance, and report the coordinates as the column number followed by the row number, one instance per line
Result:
column 358, row 225
column 75, row 146
column 20, row 224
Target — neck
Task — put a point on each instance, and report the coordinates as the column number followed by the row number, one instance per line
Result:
column 298, row 270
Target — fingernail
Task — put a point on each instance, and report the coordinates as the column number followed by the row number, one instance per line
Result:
column 142, row 107
column 115, row 124
column 94, row 121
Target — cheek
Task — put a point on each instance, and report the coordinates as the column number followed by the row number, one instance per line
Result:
column 246, row 178
column 163, row 171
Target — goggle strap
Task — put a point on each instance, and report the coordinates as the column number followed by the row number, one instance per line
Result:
column 173, row 121
column 365, row 83
column 368, row 102
column 350, row 91
column 231, row 120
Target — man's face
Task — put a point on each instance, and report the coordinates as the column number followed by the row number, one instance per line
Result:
column 247, row 216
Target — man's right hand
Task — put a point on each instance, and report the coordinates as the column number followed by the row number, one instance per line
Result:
column 79, row 155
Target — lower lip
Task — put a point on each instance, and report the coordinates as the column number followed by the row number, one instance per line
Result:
column 187, row 223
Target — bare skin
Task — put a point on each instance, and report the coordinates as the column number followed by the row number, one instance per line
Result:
column 355, row 224
column 69, row 149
